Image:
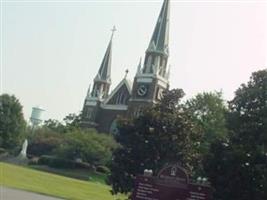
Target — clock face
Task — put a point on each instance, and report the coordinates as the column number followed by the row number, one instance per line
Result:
column 142, row 90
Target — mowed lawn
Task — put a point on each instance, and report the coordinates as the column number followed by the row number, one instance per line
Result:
column 53, row 185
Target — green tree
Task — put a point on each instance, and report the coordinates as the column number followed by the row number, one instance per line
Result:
column 12, row 123
column 164, row 133
column 209, row 112
column 70, row 123
column 72, row 120
column 54, row 125
column 237, row 167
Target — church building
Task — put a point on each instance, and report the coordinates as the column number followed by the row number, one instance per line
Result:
column 102, row 107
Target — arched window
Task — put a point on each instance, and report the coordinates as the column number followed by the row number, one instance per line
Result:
column 121, row 99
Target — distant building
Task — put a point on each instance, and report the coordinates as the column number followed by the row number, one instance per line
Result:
column 101, row 108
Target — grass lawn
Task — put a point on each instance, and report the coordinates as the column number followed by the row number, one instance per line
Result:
column 53, row 185
column 82, row 174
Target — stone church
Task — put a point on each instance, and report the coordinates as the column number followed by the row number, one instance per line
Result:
column 102, row 107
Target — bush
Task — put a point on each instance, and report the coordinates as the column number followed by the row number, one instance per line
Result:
column 102, row 169
column 33, row 161
column 43, row 142
column 83, row 165
column 55, row 162
column 89, row 146
column 2, row 151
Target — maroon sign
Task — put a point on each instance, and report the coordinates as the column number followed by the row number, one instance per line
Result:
column 170, row 184
column 199, row 192
column 173, row 174
column 148, row 188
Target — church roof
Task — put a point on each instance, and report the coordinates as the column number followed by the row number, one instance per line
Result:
column 104, row 72
column 126, row 82
column 160, row 38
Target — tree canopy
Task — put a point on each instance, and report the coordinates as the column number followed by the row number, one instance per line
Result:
column 209, row 112
column 12, row 123
column 164, row 133
column 237, row 167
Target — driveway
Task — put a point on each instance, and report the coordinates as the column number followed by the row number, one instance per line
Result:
column 14, row 194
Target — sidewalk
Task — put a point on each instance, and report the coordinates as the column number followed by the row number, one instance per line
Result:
column 14, row 194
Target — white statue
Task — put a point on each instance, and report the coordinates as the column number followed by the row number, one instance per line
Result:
column 23, row 151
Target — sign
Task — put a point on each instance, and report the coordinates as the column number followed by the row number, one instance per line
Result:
column 172, row 183
column 173, row 174
column 199, row 192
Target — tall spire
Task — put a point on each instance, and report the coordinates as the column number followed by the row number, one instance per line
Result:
column 104, row 72
column 160, row 38
column 139, row 66
column 157, row 54
column 102, row 80
column 88, row 92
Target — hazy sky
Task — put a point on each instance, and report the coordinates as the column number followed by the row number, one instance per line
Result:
column 51, row 50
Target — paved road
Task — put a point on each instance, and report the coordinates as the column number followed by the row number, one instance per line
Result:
column 13, row 194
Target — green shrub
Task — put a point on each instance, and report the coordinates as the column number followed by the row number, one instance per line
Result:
column 55, row 162
column 89, row 146
column 33, row 161
column 102, row 169
column 2, row 151
column 83, row 165
column 43, row 142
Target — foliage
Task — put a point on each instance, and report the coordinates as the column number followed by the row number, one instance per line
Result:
column 238, row 168
column 2, row 151
column 54, row 125
column 102, row 169
column 87, row 145
column 44, row 142
column 56, row 162
column 12, row 123
column 70, row 123
column 209, row 112
column 164, row 133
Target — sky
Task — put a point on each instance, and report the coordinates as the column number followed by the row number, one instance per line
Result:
column 52, row 50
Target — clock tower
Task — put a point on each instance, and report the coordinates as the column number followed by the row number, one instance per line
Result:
column 152, row 76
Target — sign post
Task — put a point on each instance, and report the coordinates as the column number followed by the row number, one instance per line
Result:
column 171, row 183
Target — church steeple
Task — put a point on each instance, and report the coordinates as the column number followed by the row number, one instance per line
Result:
column 160, row 38
column 152, row 78
column 102, row 80
column 158, row 50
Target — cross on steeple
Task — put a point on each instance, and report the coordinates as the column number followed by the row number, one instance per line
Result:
column 126, row 73
column 113, row 31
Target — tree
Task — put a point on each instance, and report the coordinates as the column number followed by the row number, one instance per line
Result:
column 12, row 123
column 54, row 125
column 237, row 168
column 163, row 134
column 209, row 112
column 70, row 123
